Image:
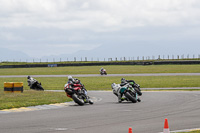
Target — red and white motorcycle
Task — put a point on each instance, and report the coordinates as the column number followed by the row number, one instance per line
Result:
column 77, row 93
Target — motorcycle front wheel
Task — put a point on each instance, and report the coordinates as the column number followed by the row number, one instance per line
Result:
column 130, row 97
column 77, row 100
column 138, row 91
column 39, row 87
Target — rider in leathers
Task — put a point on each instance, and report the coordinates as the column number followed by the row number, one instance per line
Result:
column 73, row 81
column 31, row 81
column 124, row 82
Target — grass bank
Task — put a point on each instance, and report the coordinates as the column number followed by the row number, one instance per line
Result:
column 111, row 69
column 30, row 98
column 198, row 131
column 104, row 83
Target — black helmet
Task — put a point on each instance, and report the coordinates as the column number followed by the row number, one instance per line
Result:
column 123, row 80
column 28, row 77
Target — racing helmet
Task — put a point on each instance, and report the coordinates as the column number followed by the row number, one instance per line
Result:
column 123, row 80
column 70, row 77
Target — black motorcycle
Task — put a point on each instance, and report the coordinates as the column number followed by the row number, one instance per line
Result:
column 127, row 91
column 35, row 85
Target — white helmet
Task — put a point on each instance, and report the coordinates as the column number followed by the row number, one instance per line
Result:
column 70, row 77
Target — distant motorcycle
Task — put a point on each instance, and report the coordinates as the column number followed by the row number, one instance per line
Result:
column 35, row 85
column 128, row 92
column 103, row 72
column 77, row 94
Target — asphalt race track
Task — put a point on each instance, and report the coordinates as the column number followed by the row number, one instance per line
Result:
column 108, row 116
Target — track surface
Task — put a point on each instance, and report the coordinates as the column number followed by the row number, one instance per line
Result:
column 109, row 75
column 107, row 116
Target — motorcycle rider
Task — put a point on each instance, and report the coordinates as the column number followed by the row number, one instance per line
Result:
column 72, row 81
column 31, row 82
column 124, row 82
column 116, row 91
column 101, row 69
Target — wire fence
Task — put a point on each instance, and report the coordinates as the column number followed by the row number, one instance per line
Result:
column 87, row 59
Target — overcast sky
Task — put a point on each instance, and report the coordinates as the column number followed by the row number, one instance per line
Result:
column 41, row 28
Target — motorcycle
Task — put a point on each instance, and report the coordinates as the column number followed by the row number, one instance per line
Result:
column 103, row 72
column 136, row 88
column 35, row 85
column 128, row 92
column 78, row 94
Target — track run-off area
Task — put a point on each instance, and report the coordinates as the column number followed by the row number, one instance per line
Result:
column 181, row 108
column 109, row 75
column 107, row 115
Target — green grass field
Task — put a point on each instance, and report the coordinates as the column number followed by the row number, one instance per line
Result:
column 104, row 83
column 111, row 69
column 30, row 98
column 191, row 132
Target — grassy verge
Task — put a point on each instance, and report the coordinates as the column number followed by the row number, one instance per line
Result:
column 104, row 83
column 191, row 132
column 30, row 98
column 111, row 69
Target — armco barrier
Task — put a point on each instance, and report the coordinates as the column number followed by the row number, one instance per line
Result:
column 13, row 87
column 78, row 64
column 176, row 62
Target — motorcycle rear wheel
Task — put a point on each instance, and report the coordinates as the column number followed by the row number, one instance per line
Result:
column 77, row 100
column 130, row 97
